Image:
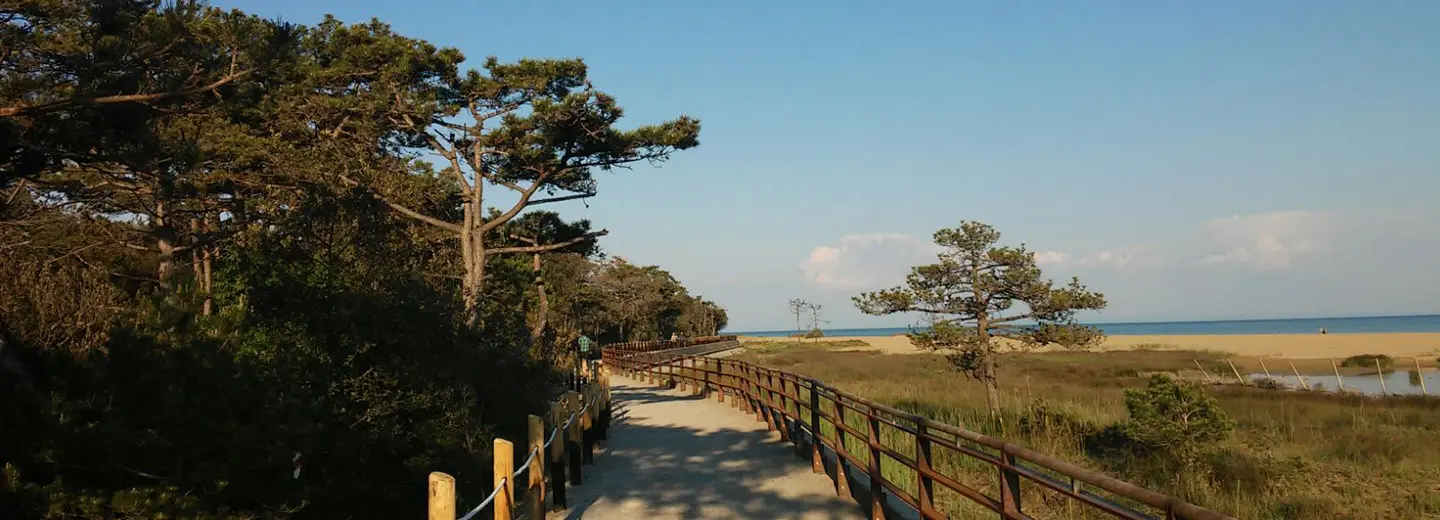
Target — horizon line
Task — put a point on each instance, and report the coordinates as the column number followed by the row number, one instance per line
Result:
column 1150, row 322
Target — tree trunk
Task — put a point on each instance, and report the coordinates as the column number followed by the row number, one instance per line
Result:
column 164, row 235
column 472, row 245
column 544, row 314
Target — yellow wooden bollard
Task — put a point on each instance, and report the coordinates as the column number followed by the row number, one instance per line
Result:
column 504, row 479
column 442, row 496
column 535, row 493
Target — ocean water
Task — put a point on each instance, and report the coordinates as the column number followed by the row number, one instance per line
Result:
column 1419, row 323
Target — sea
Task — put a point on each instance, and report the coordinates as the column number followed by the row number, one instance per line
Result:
column 1417, row 323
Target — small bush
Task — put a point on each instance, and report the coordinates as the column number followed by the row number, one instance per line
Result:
column 814, row 333
column 1368, row 361
column 1269, row 383
column 1174, row 418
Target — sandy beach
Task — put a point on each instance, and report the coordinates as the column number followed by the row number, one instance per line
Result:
column 1425, row 346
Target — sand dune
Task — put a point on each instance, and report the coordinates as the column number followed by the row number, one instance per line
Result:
column 1294, row 346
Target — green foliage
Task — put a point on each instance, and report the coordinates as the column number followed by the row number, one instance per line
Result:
column 207, row 270
column 1175, row 418
column 1368, row 361
column 814, row 333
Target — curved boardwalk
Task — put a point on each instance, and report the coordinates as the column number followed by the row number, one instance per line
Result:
column 674, row 455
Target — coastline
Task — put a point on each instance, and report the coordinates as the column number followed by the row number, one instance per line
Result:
column 1424, row 346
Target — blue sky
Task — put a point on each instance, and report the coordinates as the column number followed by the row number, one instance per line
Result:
column 1191, row 160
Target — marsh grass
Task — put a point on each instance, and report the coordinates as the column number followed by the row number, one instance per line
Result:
column 1292, row 455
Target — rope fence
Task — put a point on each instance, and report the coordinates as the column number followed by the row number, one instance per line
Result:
column 549, row 467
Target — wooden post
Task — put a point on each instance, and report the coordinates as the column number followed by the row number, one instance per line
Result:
column 1423, row 390
column 1381, row 371
column 1267, row 371
column 1339, row 383
column 1202, row 371
column 573, row 447
column 877, row 490
column 442, row 496
column 587, row 426
column 535, row 492
column 842, row 482
column 1237, row 372
column 781, row 423
column 504, row 479
column 925, row 486
column 1303, row 384
column 557, row 455
column 719, row 382
column 817, row 463
column 1009, row 485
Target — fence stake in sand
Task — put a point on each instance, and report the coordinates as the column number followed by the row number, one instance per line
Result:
column 1381, row 371
column 1423, row 391
column 1303, row 384
column 1338, row 381
column 1267, row 371
column 1202, row 371
column 1237, row 372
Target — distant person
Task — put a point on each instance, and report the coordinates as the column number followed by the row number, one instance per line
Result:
column 582, row 353
column 674, row 336
column 1323, row 331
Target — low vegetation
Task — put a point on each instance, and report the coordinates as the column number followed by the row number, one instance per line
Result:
column 1368, row 361
column 1289, row 455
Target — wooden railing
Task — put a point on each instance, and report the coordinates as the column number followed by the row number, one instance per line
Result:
column 576, row 421
column 665, row 344
column 817, row 417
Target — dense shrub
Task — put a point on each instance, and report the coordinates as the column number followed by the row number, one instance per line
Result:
column 1368, row 361
column 1174, row 418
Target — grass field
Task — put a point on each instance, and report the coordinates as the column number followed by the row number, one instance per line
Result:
column 1292, row 454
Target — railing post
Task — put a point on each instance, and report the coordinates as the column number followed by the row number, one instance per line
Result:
column 767, row 410
column 573, row 448
column 923, row 484
column 778, row 395
column 719, row 381
column 1009, row 484
column 877, row 490
column 816, row 462
column 504, row 479
column 535, row 491
column 442, row 496
column 842, row 482
column 557, row 455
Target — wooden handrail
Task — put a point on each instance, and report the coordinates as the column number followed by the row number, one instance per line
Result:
column 792, row 405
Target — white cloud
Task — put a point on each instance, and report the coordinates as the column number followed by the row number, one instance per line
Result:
column 1133, row 257
column 1052, row 257
column 868, row 261
column 1266, row 241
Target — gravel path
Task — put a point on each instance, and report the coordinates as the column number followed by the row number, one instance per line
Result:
column 673, row 455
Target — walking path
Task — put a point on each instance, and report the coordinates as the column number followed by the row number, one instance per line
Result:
column 672, row 455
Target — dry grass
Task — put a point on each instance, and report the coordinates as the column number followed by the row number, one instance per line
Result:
column 1293, row 454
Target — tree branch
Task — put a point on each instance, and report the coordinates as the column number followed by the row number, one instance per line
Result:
column 547, row 247
column 518, row 207
column 407, row 211
column 562, row 198
column 120, row 98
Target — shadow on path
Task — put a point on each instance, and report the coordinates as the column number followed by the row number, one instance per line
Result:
column 672, row 455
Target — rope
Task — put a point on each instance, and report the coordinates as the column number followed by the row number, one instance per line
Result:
column 553, row 434
column 526, row 465
column 487, row 501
